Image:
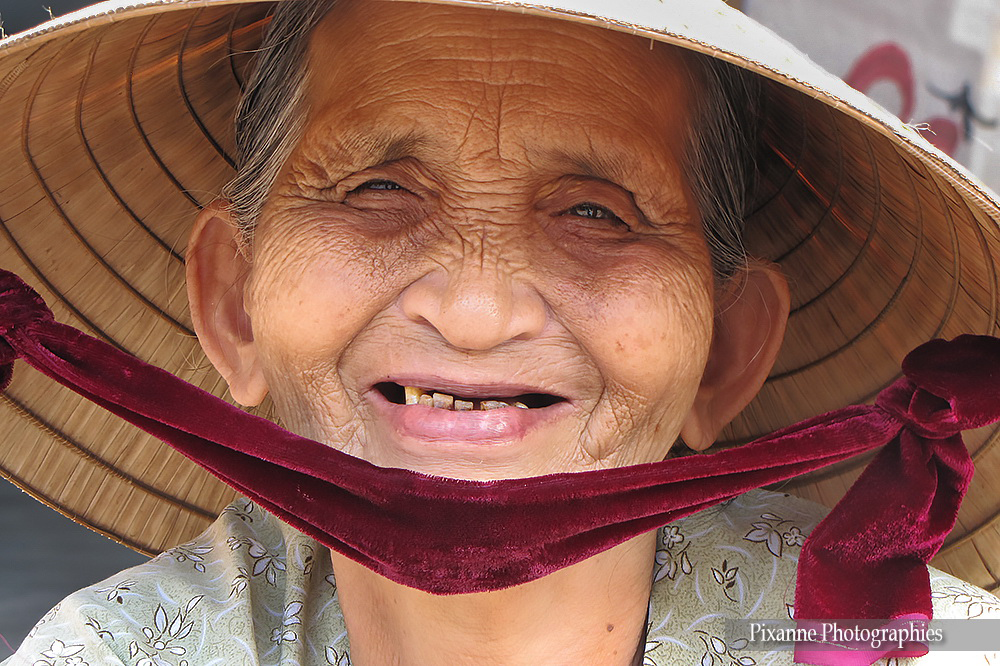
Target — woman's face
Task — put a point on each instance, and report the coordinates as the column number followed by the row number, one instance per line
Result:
column 491, row 208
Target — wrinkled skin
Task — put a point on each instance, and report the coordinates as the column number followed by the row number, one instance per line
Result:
column 483, row 267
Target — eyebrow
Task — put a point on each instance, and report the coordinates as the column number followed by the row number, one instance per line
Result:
column 379, row 148
column 374, row 149
column 610, row 165
column 606, row 166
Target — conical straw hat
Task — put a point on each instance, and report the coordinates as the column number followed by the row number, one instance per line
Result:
column 117, row 126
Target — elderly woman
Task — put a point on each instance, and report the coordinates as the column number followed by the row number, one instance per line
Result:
column 475, row 218
column 477, row 245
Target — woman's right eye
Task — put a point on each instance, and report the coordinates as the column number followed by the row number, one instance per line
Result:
column 377, row 185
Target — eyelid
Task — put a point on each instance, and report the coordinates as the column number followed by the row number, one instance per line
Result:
column 404, row 172
column 372, row 181
column 574, row 190
column 611, row 216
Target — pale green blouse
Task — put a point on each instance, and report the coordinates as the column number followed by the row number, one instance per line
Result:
column 252, row 590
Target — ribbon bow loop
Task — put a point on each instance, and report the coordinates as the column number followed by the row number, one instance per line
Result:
column 949, row 386
column 20, row 305
column 20, row 308
column 921, row 412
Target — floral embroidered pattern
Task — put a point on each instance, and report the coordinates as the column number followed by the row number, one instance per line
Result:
column 726, row 577
column 671, row 557
column 164, row 637
column 191, row 553
column 242, row 509
column 793, row 537
column 59, row 650
column 647, row 653
column 719, row 653
column 265, row 562
column 304, row 559
column 976, row 602
column 118, row 591
column 240, row 582
column 99, row 631
column 768, row 530
column 45, row 618
column 334, row 658
column 290, row 618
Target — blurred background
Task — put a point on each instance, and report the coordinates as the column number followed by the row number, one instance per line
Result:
column 19, row 15
column 934, row 63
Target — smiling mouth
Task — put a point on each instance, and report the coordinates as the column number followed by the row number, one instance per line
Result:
column 413, row 395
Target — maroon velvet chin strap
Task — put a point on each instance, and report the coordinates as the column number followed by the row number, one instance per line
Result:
column 865, row 560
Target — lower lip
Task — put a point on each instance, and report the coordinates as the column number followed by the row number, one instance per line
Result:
column 494, row 426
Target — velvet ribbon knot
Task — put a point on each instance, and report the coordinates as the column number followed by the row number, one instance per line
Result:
column 948, row 387
column 866, row 560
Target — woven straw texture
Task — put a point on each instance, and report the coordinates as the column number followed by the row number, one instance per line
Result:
column 116, row 128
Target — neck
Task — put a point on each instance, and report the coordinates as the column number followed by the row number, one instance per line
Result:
column 593, row 612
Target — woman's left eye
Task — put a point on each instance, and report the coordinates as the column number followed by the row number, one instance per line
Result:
column 592, row 211
column 378, row 185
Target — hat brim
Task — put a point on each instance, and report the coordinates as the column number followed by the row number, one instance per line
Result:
column 118, row 127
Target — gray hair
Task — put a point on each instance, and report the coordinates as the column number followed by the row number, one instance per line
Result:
column 721, row 157
column 720, row 147
column 270, row 115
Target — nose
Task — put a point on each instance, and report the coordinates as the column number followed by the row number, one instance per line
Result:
column 475, row 304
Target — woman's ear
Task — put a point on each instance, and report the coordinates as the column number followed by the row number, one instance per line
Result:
column 750, row 319
column 217, row 271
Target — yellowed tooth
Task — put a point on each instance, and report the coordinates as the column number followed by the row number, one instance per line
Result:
column 426, row 399
column 443, row 400
column 463, row 405
column 492, row 404
column 520, row 405
column 412, row 395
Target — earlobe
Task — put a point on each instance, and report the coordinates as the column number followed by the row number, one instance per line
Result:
column 749, row 328
column 217, row 271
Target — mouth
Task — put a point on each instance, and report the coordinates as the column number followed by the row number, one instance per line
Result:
column 429, row 413
column 440, row 399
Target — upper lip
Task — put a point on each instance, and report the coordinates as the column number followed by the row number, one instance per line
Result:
column 468, row 390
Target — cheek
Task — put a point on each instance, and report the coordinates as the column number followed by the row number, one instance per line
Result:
column 649, row 327
column 311, row 315
column 311, row 291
